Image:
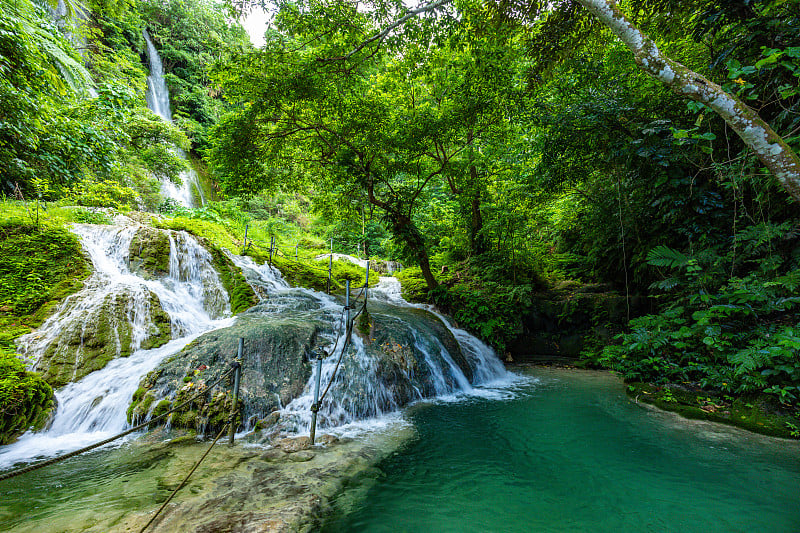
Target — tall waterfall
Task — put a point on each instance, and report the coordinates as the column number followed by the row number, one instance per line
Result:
column 158, row 102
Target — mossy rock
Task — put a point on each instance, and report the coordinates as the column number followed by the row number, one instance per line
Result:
column 396, row 338
column 240, row 293
column 149, row 251
column 102, row 334
column 26, row 400
column 275, row 369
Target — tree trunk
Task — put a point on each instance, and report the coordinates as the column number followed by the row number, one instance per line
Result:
column 477, row 242
column 770, row 148
column 405, row 228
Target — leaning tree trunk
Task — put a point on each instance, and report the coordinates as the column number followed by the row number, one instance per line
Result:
column 405, row 228
column 770, row 148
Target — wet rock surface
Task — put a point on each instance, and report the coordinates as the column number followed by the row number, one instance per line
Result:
column 275, row 369
column 104, row 333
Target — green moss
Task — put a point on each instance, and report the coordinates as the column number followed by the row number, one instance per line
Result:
column 413, row 286
column 139, row 407
column 26, row 400
column 758, row 413
column 218, row 234
column 37, row 267
column 240, row 292
column 162, row 407
column 314, row 274
column 364, row 323
column 149, row 252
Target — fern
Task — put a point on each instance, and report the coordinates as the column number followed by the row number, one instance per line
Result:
column 664, row 256
column 750, row 358
column 32, row 25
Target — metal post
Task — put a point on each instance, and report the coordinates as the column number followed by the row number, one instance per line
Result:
column 315, row 405
column 366, row 284
column 347, row 307
column 271, row 246
column 244, row 246
column 330, row 267
column 295, row 251
column 237, row 375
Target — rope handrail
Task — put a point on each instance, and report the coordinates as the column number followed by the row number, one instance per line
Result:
column 348, row 333
column 183, row 483
column 58, row 459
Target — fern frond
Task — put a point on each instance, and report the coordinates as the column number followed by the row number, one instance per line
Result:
column 664, row 256
column 750, row 358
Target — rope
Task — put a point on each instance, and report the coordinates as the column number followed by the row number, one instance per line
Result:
column 348, row 332
column 174, row 492
column 321, row 269
column 54, row 460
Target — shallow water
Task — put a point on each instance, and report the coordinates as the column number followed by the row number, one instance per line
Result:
column 572, row 453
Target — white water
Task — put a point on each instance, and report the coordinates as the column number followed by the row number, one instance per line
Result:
column 487, row 368
column 356, row 400
column 93, row 408
column 157, row 98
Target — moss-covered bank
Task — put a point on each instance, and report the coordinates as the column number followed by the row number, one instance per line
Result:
column 39, row 267
column 759, row 413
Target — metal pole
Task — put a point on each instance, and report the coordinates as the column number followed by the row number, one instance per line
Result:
column 244, row 246
column 315, row 405
column 330, row 267
column 347, row 307
column 295, row 251
column 271, row 246
column 366, row 284
column 237, row 375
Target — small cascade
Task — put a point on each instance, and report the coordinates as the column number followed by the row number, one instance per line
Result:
column 157, row 98
column 362, row 389
column 93, row 408
column 487, row 367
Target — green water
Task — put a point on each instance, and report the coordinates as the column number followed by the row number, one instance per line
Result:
column 572, row 453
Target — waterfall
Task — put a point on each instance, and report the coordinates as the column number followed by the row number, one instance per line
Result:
column 358, row 394
column 93, row 408
column 190, row 293
column 157, row 98
column 487, row 367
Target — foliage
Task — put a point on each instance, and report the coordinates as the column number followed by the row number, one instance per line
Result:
column 741, row 337
column 25, row 398
column 36, row 266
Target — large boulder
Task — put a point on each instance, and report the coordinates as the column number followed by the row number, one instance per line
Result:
column 275, row 369
column 148, row 253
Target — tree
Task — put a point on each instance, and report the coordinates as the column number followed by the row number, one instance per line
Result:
column 382, row 127
column 771, row 149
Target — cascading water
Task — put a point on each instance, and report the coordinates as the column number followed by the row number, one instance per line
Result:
column 93, row 408
column 157, row 98
column 360, row 397
column 487, row 368
column 358, row 390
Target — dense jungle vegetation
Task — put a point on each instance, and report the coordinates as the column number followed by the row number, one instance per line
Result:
column 507, row 153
